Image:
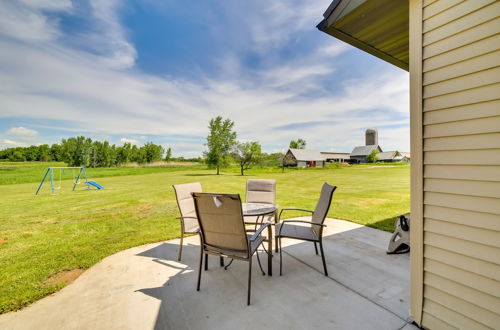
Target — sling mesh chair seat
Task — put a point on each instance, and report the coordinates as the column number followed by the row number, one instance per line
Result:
column 262, row 191
column 314, row 231
column 188, row 219
column 222, row 231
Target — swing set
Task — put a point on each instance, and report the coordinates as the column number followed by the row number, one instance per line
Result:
column 82, row 174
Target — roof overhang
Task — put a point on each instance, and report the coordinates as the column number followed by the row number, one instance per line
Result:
column 378, row 27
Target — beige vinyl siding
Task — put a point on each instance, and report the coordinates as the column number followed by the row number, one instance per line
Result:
column 461, row 164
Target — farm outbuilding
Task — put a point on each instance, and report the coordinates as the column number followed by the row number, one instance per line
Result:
column 393, row 156
column 360, row 153
column 339, row 157
column 305, row 158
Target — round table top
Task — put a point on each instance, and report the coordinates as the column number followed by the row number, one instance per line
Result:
column 258, row 208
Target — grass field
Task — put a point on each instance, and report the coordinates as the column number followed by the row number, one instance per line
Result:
column 44, row 235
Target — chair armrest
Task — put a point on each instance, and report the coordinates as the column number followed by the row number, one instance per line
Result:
column 259, row 231
column 299, row 221
column 182, row 218
column 293, row 209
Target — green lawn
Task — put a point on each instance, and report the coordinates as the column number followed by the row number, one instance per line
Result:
column 43, row 235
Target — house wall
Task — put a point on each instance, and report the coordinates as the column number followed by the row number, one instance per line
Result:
column 301, row 164
column 455, row 113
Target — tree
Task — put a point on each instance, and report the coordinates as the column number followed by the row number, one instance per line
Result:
column 299, row 144
column 56, row 152
column 17, row 156
column 247, row 154
column 44, row 153
column 123, row 154
column 153, row 152
column 372, row 157
column 77, row 151
column 219, row 143
column 285, row 159
column 31, row 153
column 168, row 155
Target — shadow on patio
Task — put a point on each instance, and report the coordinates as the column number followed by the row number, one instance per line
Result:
column 365, row 288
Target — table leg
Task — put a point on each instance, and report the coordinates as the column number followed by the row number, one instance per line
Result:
column 270, row 251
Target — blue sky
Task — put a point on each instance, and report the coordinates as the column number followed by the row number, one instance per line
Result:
column 158, row 70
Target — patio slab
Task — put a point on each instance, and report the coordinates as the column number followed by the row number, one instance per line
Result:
column 146, row 288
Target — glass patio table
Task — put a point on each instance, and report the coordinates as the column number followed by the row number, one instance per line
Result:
column 260, row 211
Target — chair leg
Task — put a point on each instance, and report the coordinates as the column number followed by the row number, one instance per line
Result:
column 199, row 270
column 275, row 236
column 180, row 247
column 323, row 257
column 206, row 262
column 316, row 248
column 249, row 280
column 221, row 261
column 281, row 262
column 260, row 265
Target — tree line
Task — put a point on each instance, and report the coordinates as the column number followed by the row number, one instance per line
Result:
column 222, row 151
column 83, row 151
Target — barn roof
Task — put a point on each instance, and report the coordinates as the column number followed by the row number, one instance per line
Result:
column 388, row 155
column 364, row 150
column 307, row 155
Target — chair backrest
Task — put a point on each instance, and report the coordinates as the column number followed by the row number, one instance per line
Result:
column 221, row 223
column 186, row 204
column 261, row 191
column 321, row 210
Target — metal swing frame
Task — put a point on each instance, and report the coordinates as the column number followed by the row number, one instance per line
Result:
column 50, row 173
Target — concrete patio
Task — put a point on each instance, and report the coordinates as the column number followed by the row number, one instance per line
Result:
column 146, row 288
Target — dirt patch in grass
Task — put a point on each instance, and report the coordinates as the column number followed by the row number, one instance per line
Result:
column 66, row 276
column 2, row 240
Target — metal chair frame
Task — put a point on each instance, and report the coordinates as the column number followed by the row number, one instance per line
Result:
column 318, row 237
column 221, row 251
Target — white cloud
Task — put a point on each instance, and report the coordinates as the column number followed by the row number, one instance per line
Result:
column 6, row 143
column 131, row 141
column 21, row 132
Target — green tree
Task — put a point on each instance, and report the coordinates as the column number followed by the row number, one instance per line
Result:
column 56, row 152
column 247, row 154
column 219, row 143
column 372, row 157
column 168, row 155
column 285, row 159
column 44, row 153
column 153, row 152
column 17, row 156
column 123, row 154
column 77, row 151
column 31, row 153
column 299, row 144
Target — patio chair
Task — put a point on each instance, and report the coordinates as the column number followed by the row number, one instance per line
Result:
column 312, row 233
column 222, row 231
column 261, row 191
column 189, row 222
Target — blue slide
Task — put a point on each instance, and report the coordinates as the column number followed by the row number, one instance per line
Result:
column 95, row 184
